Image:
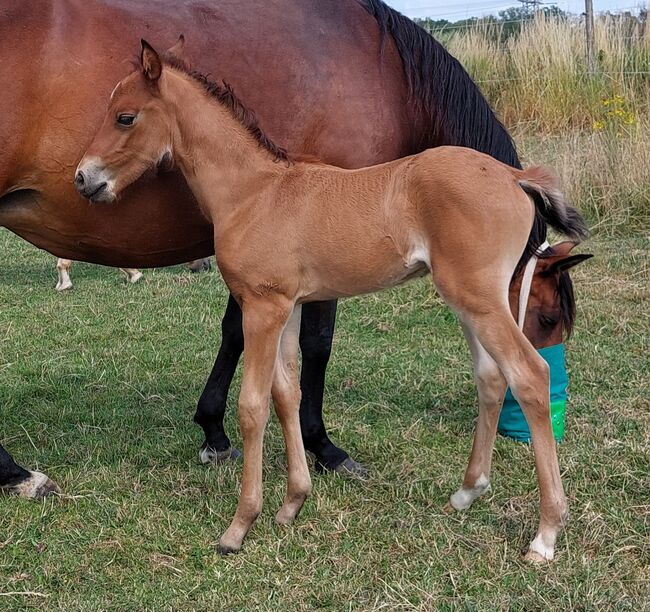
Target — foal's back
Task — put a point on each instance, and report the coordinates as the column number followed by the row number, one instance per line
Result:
column 334, row 233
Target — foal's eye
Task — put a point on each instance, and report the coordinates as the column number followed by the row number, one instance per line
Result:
column 126, row 119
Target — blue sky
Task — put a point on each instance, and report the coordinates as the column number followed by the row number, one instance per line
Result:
column 455, row 10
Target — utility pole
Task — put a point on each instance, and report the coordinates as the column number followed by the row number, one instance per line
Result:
column 589, row 23
column 534, row 4
column 531, row 6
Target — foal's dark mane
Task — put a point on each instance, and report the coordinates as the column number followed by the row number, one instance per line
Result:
column 225, row 95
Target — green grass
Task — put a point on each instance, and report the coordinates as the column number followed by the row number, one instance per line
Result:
column 98, row 387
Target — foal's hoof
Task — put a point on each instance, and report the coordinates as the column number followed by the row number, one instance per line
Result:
column 134, row 278
column 352, row 469
column 466, row 496
column 209, row 455
column 539, row 552
column 37, row 486
column 286, row 516
column 230, row 543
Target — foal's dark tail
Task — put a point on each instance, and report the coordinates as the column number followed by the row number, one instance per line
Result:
column 542, row 185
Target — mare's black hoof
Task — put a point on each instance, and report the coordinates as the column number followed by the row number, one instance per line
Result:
column 200, row 265
column 37, row 486
column 46, row 489
column 209, row 455
column 352, row 469
column 348, row 468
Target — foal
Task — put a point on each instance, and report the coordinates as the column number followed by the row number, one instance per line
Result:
column 288, row 233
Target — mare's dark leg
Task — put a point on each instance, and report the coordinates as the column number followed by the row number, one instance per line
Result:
column 10, row 472
column 212, row 403
column 316, row 333
column 17, row 480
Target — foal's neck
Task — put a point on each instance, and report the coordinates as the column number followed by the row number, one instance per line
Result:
column 223, row 163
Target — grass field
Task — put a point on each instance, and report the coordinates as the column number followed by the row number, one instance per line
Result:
column 98, row 386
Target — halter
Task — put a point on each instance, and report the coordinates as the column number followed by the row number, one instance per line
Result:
column 527, row 281
column 512, row 422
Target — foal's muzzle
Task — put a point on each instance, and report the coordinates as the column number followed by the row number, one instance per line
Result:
column 91, row 182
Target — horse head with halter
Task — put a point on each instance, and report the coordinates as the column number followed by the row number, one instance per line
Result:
column 541, row 299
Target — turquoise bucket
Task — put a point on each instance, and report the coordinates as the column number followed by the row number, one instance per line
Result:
column 512, row 422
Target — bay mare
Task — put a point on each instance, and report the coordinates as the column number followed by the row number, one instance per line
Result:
column 288, row 233
column 358, row 84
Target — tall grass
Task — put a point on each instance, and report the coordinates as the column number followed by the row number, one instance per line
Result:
column 593, row 128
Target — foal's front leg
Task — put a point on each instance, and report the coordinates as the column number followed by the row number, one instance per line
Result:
column 316, row 332
column 264, row 320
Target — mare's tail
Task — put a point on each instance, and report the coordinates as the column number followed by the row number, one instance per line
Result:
column 542, row 185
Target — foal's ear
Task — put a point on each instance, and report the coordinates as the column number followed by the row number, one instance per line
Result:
column 178, row 52
column 151, row 64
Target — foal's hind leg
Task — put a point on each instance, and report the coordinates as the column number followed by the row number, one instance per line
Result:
column 286, row 398
column 491, row 387
column 528, row 376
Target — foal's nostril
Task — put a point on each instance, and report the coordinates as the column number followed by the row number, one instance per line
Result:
column 79, row 180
